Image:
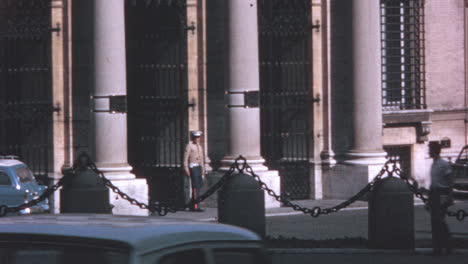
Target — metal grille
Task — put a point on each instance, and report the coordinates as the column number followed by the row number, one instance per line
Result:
column 402, row 24
column 402, row 156
column 285, row 90
column 25, row 83
column 157, row 95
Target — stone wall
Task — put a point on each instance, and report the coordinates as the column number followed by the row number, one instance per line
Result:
column 445, row 86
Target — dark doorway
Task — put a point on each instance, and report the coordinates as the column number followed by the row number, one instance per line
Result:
column 285, row 88
column 157, row 95
column 26, row 83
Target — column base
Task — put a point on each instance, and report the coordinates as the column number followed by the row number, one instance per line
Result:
column 135, row 188
column 365, row 158
column 119, row 172
column 345, row 180
column 270, row 178
column 327, row 159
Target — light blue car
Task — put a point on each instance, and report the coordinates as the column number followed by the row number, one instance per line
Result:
column 18, row 186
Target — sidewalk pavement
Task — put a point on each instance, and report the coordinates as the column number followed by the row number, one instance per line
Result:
column 348, row 223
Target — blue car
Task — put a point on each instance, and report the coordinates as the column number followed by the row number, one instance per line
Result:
column 18, row 186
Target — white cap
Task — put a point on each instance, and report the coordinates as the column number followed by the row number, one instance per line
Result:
column 196, row 133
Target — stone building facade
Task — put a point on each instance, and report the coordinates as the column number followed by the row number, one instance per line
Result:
column 315, row 94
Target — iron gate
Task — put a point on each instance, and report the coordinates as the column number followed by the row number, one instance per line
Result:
column 285, row 88
column 157, row 95
column 402, row 156
column 26, row 83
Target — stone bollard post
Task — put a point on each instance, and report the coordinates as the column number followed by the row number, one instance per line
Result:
column 241, row 202
column 391, row 215
column 83, row 190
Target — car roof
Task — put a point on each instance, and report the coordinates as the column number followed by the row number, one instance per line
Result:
column 141, row 233
column 10, row 162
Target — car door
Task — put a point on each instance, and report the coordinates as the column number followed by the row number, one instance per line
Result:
column 9, row 195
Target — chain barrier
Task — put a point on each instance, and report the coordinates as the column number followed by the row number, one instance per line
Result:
column 316, row 211
column 413, row 185
column 5, row 209
column 241, row 165
column 160, row 208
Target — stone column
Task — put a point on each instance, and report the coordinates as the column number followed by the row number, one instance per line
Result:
column 361, row 60
column 367, row 84
column 110, row 127
column 243, row 81
column 327, row 155
column 243, row 88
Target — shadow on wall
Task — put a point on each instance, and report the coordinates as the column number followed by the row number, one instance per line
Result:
column 217, row 81
column 341, row 79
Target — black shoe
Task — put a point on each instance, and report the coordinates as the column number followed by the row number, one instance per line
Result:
column 199, row 210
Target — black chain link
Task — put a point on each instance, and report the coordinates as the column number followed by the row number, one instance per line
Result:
column 316, row 211
column 160, row 208
column 390, row 167
column 413, row 185
column 219, row 184
column 5, row 209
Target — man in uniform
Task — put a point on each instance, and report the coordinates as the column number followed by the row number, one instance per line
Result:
column 194, row 166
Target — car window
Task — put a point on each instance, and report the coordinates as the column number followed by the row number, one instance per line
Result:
column 194, row 256
column 235, row 256
column 24, row 174
column 4, row 178
column 46, row 254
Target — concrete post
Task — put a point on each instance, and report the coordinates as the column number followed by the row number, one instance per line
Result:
column 391, row 215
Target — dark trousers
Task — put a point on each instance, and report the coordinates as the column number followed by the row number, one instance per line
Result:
column 440, row 230
column 197, row 182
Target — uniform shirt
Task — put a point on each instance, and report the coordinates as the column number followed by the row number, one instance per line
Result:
column 193, row 154
column 441, row 174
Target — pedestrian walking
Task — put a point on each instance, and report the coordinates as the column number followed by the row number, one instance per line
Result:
column 440, row 198
column 194, row 165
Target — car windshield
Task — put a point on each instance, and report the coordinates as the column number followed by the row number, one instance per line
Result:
column 24, row 174
column 49, row 254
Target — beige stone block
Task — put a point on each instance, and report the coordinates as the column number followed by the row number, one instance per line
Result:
column 270, row 178
column 399, row 135
column 135, row 188
column 344, row 181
